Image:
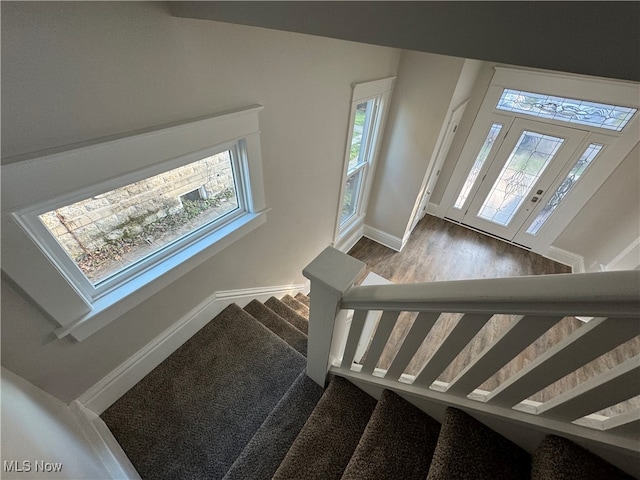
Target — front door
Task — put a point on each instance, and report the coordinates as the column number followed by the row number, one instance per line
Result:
column 519, row 177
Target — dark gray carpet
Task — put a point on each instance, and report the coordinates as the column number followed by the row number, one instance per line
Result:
column 398, row 443
column 278, row 325
column 234, row 403
column 193, row 415
column 302, row 298
column 329, row 437
column 557, row 458
column 469, row 450
column 295, row 305
column 262, row 456
column 288, row 314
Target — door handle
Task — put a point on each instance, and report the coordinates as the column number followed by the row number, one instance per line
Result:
column 534, row 199
column 539, row 192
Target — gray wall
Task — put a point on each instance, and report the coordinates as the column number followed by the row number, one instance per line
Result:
column 610, row 221
column 38, row 427
column 421, row 97
column 77, row 71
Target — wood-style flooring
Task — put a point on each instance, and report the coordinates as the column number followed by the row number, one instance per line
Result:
column 439, row 250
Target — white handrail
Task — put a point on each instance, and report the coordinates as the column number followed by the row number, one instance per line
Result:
column 589, row 294
column 538, row 302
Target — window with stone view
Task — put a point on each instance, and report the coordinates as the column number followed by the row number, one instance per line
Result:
column 109, row 232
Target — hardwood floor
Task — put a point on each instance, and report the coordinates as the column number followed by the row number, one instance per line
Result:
column 439, row 250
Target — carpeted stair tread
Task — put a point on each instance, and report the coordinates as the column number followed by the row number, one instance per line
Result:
column 297, row 306
column 194, row 414
column 469, row 450
column 398, row 443
column 328, row 439
column 302, row 298
column 288, row 314
column 264, row 453
column 557, row 458
column 278, row 325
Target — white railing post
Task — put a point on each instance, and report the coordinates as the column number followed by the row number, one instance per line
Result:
column 331, row 274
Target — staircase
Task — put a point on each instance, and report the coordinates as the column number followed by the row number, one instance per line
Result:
column 234, row 402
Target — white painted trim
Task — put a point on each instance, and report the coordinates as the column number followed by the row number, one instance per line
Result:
column 575, row 261
column 379, row 91
column 405, row 238
column 350, row 237
column 60, row 178
column 619, row 92
column 107, row 309
column 115, row 384
column 440, row 152
column 383, row 238
column 433, row 209
column 627, row 259
column 103, row 443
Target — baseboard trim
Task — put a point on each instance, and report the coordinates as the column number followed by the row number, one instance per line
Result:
column 433, row 209
column 383, row 238
column 346, row 242
column 627, row 259
column 103, row 443
column 115, row 384
column 573, row 260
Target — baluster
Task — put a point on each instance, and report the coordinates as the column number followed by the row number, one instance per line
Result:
column 466, row 328
column 520, row 334
column 593, row 339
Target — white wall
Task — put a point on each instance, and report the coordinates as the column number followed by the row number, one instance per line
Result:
column 610, row 221
column 37, row 427
column 76, row 71
column 421, row 97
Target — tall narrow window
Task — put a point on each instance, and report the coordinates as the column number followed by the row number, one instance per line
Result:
column 494, row 131
column 359, row 154
column 365, row 131
column 565, row 187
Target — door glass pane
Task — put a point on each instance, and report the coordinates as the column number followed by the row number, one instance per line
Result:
column 611, row 117
column 350, row 200
column 477, row 165
column 565, row 187
column 526, row 163
column 360, row 134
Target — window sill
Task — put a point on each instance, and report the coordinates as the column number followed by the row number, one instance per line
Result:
column 116, row 303
column 63, row 177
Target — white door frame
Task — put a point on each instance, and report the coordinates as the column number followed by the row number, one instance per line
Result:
column 617, row 144
column 433, row 171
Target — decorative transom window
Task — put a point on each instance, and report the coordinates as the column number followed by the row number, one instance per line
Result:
column 582, row 112
column 104, row 227
column 541, row 144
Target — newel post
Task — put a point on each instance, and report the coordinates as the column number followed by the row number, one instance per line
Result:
column 331, row 273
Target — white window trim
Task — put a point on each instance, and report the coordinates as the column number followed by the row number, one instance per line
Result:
column 354, row 226
column 32, row 186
